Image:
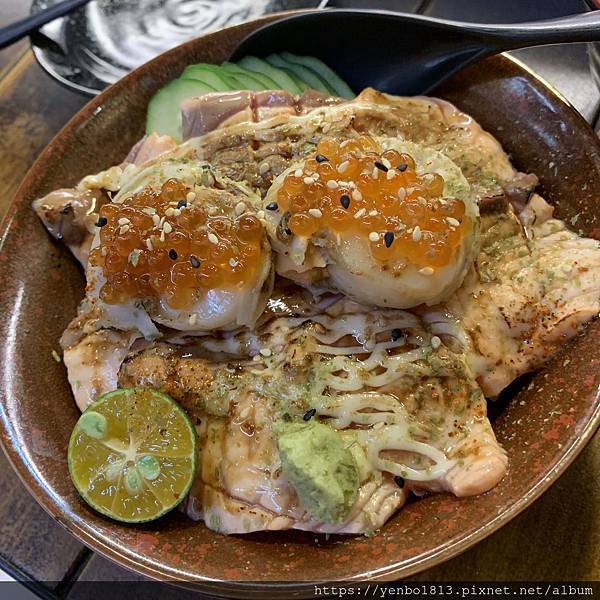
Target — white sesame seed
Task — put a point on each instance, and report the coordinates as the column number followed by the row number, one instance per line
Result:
column 373, row 236
column 298, row 173
column 193, row 319
column 332, row 184
column 386, row 162
column 453, row 221
column 233, row 262
column 240, row 208
column 104, row 251
column 191, row 196
column 426, row 271
column 212, row 211
column 356, row 195
column 212, row 238
column 266, row 351
column 161, row 222
column 256, row 357
column 123, row 221
column 435, row 342
column 373, row 213
column 167, row 228
column 401, row 194
column 315, row 212
column 342, row 167
column 177, row 212
column 263, row 168
column 124, row 229
column 162, row 236
column 170, row 211
column 149, row 210
column 416, row 234
column 359, row 213
column 149, row 244
column 156, row 220
column 308, row 180
column 375, row 173
column 378, row 425
column 261, row 214
column 390, row 174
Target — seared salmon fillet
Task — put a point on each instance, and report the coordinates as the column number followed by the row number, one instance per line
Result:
column 533, row 285
column 403, row 401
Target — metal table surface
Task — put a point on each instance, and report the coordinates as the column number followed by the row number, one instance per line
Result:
column 558, row 538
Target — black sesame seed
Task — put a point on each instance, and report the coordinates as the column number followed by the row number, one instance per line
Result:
column 396, row 334
column 309, row 414
column 101, row 222
column 288, row 231
column 399, row 481
column 172, row 254
column 402, row 167
column 321, row 159
column 388, row 238
column 272, row 206
column 345, row 200
column 195, row 262
column 181, row 204
column 381, row 166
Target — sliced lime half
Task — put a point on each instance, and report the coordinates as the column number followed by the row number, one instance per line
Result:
column 132, row 454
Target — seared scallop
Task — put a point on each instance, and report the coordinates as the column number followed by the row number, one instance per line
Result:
column 386, row 222
column 184, row 246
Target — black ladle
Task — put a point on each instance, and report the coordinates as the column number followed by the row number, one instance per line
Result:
column 405, row 53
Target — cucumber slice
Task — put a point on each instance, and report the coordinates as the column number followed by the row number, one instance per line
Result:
column 282, row 78
column 206, row 74
column 233, row 69
column 164, row 109
column 241, row 81
column 305, row 74
column 333, row 80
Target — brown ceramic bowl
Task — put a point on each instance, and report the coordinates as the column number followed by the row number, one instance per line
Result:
column 543, row 421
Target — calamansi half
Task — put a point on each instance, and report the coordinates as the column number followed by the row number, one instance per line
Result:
column 132, row 454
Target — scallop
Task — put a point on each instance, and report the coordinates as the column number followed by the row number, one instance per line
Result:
column 182, row 245
column 384, row 221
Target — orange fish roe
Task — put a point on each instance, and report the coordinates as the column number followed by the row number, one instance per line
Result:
column 164, row 243
column 353, row 187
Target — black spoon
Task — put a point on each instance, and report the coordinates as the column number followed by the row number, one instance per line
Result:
column 404, row 53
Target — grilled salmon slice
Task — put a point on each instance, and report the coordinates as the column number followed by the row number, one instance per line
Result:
column 407, row 405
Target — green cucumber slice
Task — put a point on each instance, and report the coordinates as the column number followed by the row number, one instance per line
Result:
column 243, row 81
column 206, row 74
column 282, row 78
column 305, row 74
column 233, row 69
column 164, row 109
column 333, row 80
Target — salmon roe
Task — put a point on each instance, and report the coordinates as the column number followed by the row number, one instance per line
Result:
column 354, row 188
column 168, row 243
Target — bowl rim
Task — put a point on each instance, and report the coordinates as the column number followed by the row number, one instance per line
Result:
column 227, row 588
